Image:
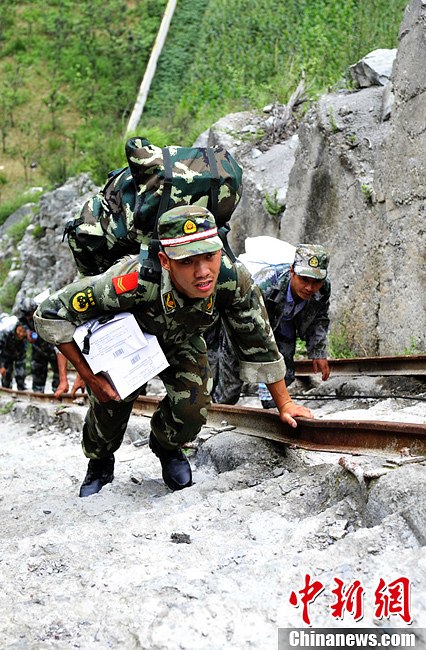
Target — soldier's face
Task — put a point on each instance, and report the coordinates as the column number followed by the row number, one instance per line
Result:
column 194, row 276
column 21, row 332
column 304, row 287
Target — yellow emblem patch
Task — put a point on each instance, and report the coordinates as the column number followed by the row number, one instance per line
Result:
column 169, row 301
column 313, row 261
column 209, row 306
column 83, row 300
column 189, row 227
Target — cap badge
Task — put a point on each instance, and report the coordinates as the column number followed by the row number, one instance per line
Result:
column 189, row 227
column 314, row 261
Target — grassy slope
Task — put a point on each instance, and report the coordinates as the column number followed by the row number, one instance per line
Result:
column 70, row 71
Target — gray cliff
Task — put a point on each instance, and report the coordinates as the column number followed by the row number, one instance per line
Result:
column 350, row 175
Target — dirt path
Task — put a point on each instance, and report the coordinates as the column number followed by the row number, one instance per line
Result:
column 209, row 568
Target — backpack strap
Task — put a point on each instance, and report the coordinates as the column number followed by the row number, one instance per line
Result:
column 167, row 185
column 223, row 234
column 150, row 267
column 214, row 189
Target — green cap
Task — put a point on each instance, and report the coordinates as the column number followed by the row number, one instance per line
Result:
column 311, row 260
column 188, row 230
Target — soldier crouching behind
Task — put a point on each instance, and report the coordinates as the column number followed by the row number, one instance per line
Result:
column 13, row 350
column 198, row 284
column 43, row 354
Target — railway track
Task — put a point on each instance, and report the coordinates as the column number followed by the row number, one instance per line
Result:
column 370, row 366
column 340, row 436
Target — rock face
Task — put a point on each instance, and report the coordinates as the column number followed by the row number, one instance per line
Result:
column 45, row 260
column 350, row 176
column 357, row 186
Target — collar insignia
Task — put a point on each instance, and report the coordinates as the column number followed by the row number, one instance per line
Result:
column 169, row 302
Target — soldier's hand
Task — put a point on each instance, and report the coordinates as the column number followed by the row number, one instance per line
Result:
column 62, row 389
column 290, row 410
column 103, row 390
column 321, row 365
column 78, row 384
column 2, row 371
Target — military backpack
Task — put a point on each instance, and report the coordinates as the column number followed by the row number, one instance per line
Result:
column 121, row 218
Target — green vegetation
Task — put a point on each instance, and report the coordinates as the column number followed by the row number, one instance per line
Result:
column 332, row 120
column 301, row 351
column 17, row 231
column 4, row 410
column 8, row 294
column 70, row 72
column 367, row 192
column 11, row 206
column 5, row 266
column 38, row 231
column 272, row 206
column 338, row 346
column 412, row 348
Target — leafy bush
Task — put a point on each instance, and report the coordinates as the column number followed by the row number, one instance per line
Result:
column 337, row 344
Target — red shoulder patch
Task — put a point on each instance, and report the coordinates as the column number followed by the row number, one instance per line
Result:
column 123, row 283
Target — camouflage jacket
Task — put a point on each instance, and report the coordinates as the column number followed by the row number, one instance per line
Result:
column 11, row 348
column 161, row 310
column 311, row 323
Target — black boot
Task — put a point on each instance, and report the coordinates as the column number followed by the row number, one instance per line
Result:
column 176, row 468
column 99, row 473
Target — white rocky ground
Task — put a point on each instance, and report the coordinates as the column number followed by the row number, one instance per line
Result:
column 208, row 568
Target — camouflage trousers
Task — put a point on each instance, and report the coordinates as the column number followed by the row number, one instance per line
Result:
column 13, row 367
column 180, row 415
column 224, row 364
column 41, row 358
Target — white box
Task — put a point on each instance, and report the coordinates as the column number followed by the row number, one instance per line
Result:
column 120, row 350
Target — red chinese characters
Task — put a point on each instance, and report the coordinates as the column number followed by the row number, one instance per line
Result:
column 391, row 599
column 307, row 595
column 349, row 599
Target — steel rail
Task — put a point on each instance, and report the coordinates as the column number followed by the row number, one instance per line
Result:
column 371, row 366
column 341, row 436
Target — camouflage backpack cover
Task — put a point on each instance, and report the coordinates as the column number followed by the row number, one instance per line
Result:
column 121, row 218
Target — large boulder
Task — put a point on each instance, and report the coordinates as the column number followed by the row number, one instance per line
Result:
column 355, row 183
column 358, row 187
column 46, row 261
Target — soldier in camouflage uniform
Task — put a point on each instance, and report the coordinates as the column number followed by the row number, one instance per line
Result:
column 297, row 301
column 198, row 285
column 43, row 353
column 13, row 348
